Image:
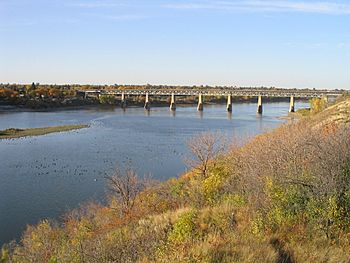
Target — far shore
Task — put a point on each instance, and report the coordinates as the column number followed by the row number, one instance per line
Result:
column 15, row 108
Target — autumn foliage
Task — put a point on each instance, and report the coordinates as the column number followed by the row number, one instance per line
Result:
column 282, row 197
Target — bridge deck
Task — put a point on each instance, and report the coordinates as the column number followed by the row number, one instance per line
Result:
column 238, row 92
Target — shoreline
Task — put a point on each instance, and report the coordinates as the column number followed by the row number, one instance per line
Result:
column 175, row 176
column 14, row 133
column 12, row 108
column 227, row 206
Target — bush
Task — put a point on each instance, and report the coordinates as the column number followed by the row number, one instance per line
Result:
column 318, row 105
column 184, row 228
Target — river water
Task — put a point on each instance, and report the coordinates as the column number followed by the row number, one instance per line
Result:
column 43, row 177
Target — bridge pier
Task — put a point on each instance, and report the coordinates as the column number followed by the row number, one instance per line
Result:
column 147, row 103
column 172, row 102
column 292, row 104
column 260, row 105
column 200, row 103
column 123, row 101
column 229, row 103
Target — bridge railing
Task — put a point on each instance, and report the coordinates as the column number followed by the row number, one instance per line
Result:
column 238, row 92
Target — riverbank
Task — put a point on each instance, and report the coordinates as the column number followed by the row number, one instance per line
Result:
column 13, row 133
column 284, row 194
column 136, row 101
column 155, row 141
column 11, row 108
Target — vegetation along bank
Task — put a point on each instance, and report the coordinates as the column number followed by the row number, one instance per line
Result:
column 37, row 96
column 283, row 196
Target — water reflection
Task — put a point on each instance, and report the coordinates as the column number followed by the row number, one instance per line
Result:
column 260, row 120
column 200, row 114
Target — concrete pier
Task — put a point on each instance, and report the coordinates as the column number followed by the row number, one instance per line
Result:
column 200, row 103
column 172, row 102
column 123, row 101
column 147, row 103
column 229, row 103
column 260, row 105
column 229, row 92
column 292, row 104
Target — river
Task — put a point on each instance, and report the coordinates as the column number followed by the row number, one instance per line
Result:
column 43, row 177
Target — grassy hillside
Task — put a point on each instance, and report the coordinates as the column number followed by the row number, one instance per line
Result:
column 282, row 197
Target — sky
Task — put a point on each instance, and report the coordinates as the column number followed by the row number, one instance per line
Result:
column 291, row 44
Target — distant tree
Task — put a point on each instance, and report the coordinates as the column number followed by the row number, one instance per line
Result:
column 107, row 99
column 8, row 94
column 42, row 92
column 54, row 93
column 29, row 89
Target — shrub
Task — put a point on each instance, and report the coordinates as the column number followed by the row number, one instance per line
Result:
column 211, row 188
column 184, row 228
column 318, row 105
column 287, row 204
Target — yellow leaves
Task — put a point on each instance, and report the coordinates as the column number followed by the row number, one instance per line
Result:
column 269, row 183
column 54, row 92
column 80, row 230
column 8, row 93
column 257, row 225
column 278, row 216
column 85, row 228
column 184, row 228
column 211, row 187
column 40, row 233
column 189, row 175
column 275, row 192
column 235, row 200
column 272, row 190
column 75, row 242
column 318, row 104
column 53, row 259
column 4, row 255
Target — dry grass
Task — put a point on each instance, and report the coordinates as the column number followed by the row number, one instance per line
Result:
column 267, row 201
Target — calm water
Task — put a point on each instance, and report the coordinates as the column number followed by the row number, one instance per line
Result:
column 42, row 177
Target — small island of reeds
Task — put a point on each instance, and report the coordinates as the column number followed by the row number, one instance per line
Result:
column 13, row 133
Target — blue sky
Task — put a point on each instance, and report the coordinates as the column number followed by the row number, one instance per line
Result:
column 194, row 42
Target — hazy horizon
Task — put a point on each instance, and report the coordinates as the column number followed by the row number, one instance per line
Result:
column 289, row 44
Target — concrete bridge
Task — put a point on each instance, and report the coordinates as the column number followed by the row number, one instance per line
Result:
column 241, row 92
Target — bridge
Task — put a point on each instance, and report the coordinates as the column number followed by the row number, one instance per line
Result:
column 229, row 92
